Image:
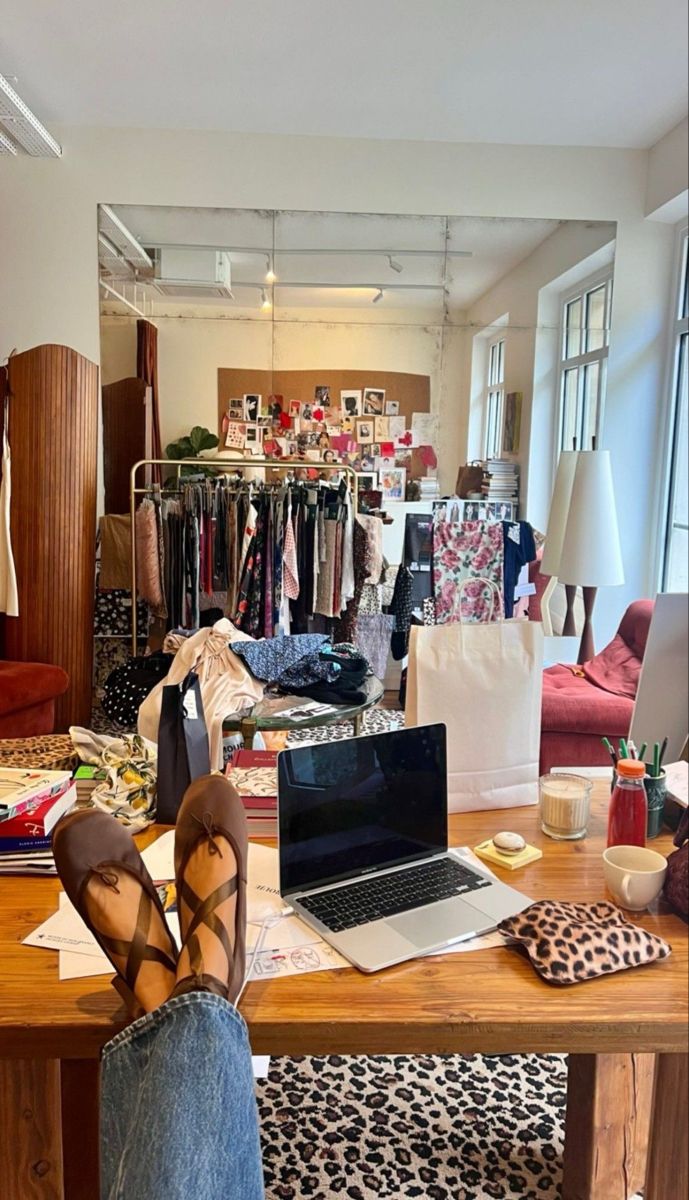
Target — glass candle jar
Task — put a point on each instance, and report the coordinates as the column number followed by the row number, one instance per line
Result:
column 565, row 802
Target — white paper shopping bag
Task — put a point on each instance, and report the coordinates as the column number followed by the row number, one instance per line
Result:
column 484, row 681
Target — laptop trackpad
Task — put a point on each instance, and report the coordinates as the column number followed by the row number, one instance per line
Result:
column 437, row 923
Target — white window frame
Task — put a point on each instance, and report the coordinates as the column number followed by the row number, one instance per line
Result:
column 494, row 398
column 583, row 359
column 679, row 358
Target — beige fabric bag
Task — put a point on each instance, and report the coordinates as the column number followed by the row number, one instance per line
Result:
column 484, row 682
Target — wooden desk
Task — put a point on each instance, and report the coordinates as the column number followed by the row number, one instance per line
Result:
column 484, row 1001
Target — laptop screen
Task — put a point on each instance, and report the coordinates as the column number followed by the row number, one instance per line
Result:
column 355, row 806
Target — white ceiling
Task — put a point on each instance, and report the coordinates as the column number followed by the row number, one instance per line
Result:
column 559, row 72
column 493, row 247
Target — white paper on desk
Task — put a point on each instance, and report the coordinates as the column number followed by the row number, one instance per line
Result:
column 159, row 858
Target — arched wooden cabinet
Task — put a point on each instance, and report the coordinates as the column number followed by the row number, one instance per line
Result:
column 53, row 430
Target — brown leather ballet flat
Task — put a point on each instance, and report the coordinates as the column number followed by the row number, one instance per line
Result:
column 88, row 843
column 211, row 808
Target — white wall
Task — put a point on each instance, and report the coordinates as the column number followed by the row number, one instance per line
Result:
column 48, row 275
column 515, row 301
column 668, row 175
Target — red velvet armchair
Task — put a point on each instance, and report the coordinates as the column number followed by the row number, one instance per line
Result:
column 583, row 704
column 27, row 698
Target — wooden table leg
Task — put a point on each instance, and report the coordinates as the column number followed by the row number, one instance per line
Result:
column 606, row 1130
column 358, row 724
column 30, row 1129
column 80, row 1080
column 668, row 1153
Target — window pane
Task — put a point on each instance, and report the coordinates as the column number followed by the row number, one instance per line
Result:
column 677, row 547
column 493, row 365
column 680, row 507
column 501, row 362
column 572, row 345
column 684, row 285
column 590, row 414
column 595, row 319
column 677, row 568
column 569, row 408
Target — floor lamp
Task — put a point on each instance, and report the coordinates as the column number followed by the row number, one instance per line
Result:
column 555, row 534
column 591, row 555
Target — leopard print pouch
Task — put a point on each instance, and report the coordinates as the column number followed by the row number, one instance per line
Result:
column 569, row 943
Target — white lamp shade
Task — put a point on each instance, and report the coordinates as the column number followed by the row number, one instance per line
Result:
column 559, row 509
column 591, row 554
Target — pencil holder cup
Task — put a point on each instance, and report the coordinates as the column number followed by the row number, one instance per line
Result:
column 656, row 791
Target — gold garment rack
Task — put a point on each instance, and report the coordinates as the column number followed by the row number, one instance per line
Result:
column 229, row 466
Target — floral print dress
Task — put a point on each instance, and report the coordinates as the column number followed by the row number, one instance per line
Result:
column 467, row 550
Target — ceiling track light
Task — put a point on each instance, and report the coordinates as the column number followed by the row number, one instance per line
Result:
column 378, row 296
column 271, row 277
column 394, row 265
column 26, row 128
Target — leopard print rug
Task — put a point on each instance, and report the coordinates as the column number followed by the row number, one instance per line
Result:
column 440, row 1128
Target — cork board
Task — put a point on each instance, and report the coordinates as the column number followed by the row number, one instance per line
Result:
column 413, row 392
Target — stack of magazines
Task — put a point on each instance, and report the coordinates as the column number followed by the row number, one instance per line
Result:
column 31, row 804
column 500, row 480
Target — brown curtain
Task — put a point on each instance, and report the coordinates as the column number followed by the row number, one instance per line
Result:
column 147, row 369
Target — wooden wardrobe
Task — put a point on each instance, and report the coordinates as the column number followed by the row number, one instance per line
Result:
column 53, row 432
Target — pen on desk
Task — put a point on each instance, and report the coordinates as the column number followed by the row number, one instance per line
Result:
column 609, row 747
column 663, row 749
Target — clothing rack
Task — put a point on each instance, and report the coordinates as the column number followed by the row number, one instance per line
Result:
column 229, row 465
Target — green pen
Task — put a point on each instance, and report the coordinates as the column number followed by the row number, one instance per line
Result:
column 624, row 752
column 656, row 760
column 642, row 751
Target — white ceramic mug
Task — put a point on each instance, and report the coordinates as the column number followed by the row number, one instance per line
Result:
column 634, row 875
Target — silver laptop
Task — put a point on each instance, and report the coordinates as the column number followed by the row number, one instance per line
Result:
column 364, row 856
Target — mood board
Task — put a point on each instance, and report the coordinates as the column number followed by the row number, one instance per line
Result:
column 378, row 422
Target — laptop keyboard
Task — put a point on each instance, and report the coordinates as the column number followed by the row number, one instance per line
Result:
column 386, row 895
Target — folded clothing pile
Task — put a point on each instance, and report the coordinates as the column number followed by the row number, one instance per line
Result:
column 306, row 664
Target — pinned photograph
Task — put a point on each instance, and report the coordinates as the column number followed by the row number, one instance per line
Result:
column 382, row 429
column 252, row 407
column 374, row 402
column 393, row 483
column 321, row 395
column 254, row 439
column 307, row 411
column 396, row 428
column 235, row 410
column 235, row 436
column 367, row 482
column 294, row 408
column 392, row 408
column 367, row 462
column 350, row 403
column 364, row 431
column 348, row 424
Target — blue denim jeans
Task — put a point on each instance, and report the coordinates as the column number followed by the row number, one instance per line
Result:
column 178, row 1110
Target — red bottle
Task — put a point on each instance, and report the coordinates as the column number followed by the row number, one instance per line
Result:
column 628, row 812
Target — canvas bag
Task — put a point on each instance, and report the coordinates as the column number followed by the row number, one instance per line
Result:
column 183, row 750
column 484, row 682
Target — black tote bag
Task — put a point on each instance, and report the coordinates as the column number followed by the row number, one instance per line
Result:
column 183, row 750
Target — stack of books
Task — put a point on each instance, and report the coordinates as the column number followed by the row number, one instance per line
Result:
column 429, row 488
column 31, row 804
column 500, row 480
column 86, row 778
column 254, row 773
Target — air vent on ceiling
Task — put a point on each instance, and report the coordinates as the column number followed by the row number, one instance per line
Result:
column 193, row 273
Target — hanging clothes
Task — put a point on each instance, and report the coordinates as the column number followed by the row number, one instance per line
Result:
column 467, row 550
column 9, row 597
column 520, row 548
